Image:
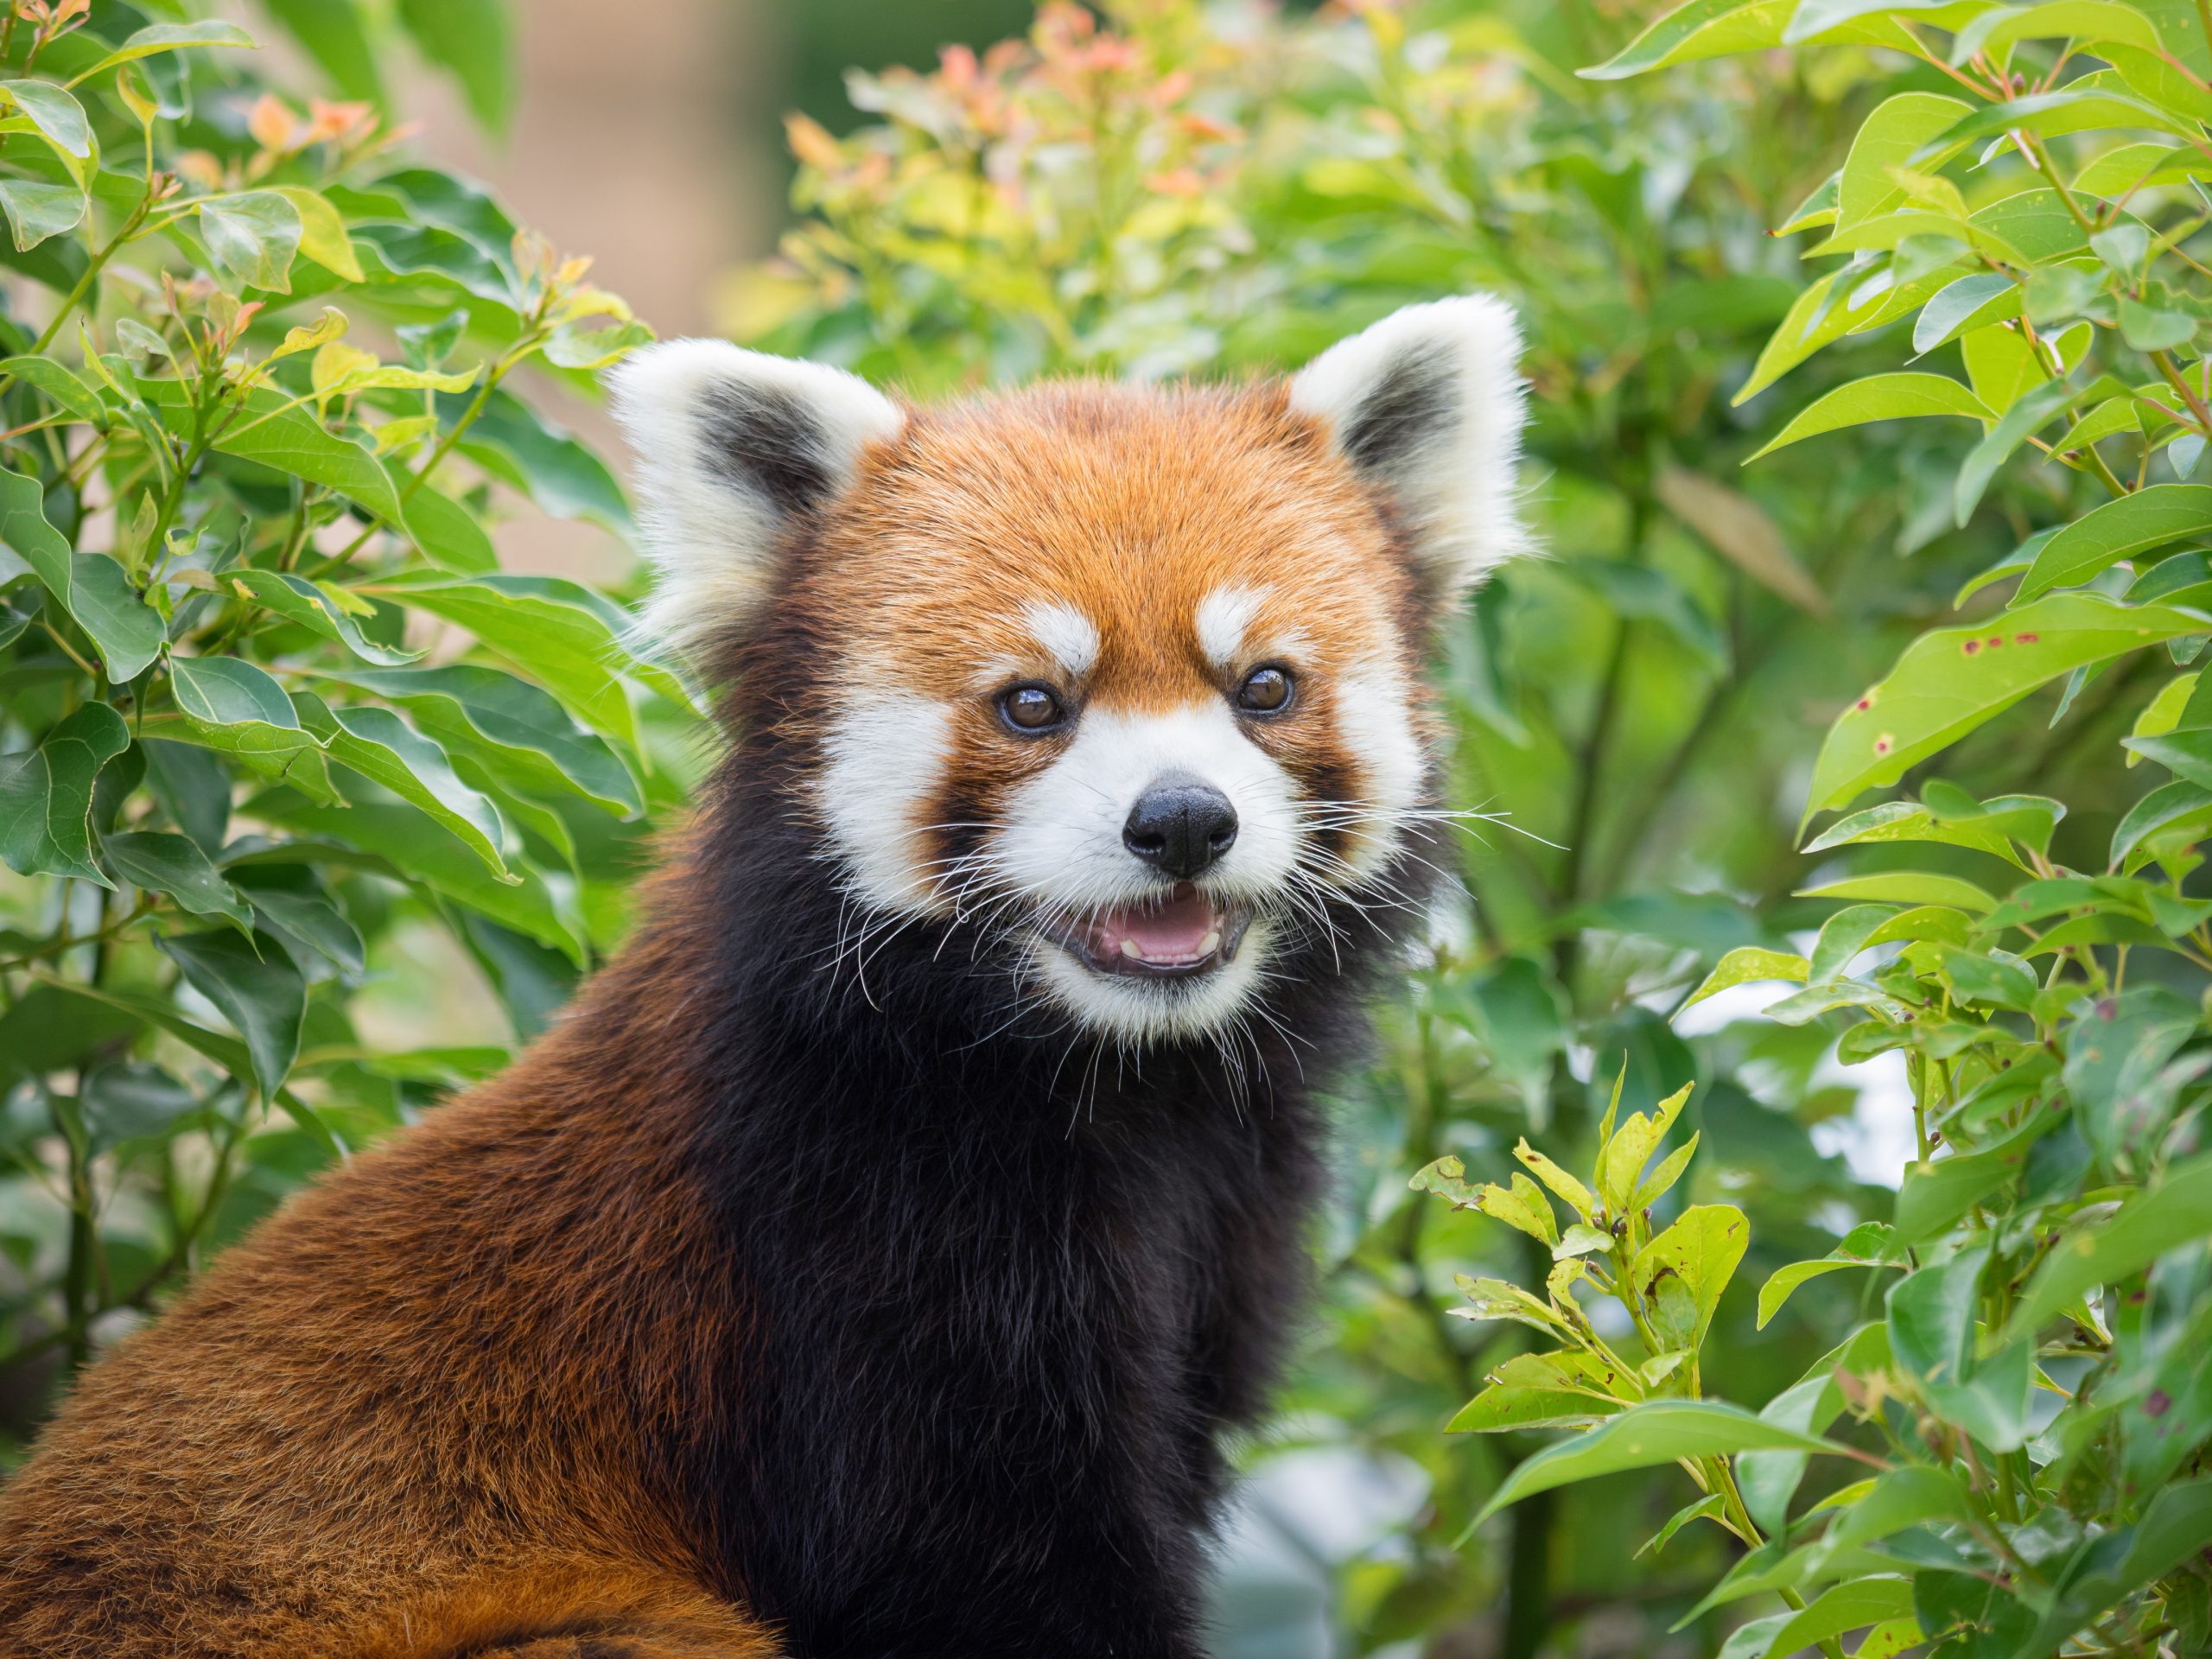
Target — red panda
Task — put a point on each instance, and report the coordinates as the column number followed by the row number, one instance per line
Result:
column 871, row 1260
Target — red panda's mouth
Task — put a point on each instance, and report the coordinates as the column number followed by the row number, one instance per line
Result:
column 1187, row 932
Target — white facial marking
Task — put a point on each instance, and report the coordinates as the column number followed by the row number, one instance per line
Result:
column 1061, row 845
column 1062, row 840
column 1071, row 637
column 1224, row 616
column 883, row 759
column 1375, row 718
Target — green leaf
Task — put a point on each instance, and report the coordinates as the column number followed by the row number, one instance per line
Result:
column 1754, row 1638
column 1700, row 1253
column 225, row 691
column 305, row 602
column 2179, row 809
column 522, row 733
column 2086, row 20
column 255, row 235
column 2070, row 109
column 91, row 586
column 287, row 754
column 1902, row 1497
column 1577, row 1196
column 473, row 40
column 1972, row 303
column 2174, row 1211
column 226, row 1051
column 288, row 440
column 322, row 231
column 1703, row 28
column 1989, row 828
column 255, row 986
column 1846, row 302
column 1886, row 140
column 1906, row 887
column 1500, row 1408
column 413, row 846
column 1936, row 1193
column 448, row 534
column 1860, row 1250
column 303, row 918
column 37, row 211
column 1708, row 1508
column 1625, row 1152
column 59, row 384
column 167, row 37
column 2119, row 529
column 174, row 864
column 1745, row 964
column 53, row 112
column 1846, row 1607
column 1657, row 1432
column 386, row 750
column 2154, row 74
column 1817, row 20
column 45, row 795
column 2186, row 754
column 1931, row 1317
column 2176, row 1527
column 1880, row 398
column 2117, row 1072
column 557, row 631
column 1951, row 680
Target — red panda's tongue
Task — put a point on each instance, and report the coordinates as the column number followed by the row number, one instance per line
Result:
column 1184, row 929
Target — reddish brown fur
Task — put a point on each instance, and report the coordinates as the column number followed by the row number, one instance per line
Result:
column 1131, row 506
column 403, row 1420
column 399, row 1421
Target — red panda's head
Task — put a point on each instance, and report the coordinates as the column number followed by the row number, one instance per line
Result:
column 1124, row 681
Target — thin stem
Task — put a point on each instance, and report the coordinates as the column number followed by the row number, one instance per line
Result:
column 93, row 269
column 2179, row 381
column 62, row 943
column 498, row 372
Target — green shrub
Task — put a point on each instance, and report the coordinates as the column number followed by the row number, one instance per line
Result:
column 269, row 700
column 2036, row 1400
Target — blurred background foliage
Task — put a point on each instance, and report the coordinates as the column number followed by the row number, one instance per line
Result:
column 1153, row 189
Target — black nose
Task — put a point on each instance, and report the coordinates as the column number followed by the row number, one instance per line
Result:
column 1181, row 823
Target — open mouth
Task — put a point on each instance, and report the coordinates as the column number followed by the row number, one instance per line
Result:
column 1185, row 933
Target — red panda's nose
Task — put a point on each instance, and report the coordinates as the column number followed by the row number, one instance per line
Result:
column 1181, row 823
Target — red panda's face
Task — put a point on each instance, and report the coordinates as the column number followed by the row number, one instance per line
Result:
column 1123, row 682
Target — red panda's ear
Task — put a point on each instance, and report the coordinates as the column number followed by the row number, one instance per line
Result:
column 731, row 448
column 1428, row 404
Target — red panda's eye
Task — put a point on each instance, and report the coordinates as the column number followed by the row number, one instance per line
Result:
column 1265, row 691
column 1030, row 708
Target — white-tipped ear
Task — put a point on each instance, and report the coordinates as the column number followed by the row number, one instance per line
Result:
column 733, row 446
column 1428, row 403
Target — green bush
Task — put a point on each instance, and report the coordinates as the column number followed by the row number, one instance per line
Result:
column 268, row 700
column 2036, row 1399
